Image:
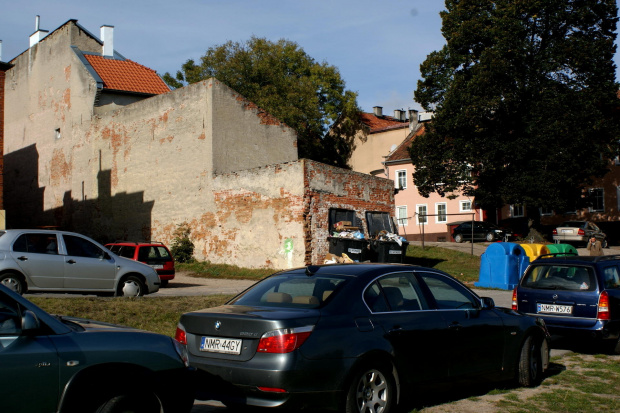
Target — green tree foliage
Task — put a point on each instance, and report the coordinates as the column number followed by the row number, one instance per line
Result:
column 525, row 101
column 282, row 79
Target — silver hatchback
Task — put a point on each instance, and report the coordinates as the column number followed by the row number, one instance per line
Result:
column 59, row 261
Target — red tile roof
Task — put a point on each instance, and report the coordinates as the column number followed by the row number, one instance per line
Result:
column 126, row 75
column 382, row 123
column 401, row 153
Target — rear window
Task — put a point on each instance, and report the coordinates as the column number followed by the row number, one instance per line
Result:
column 153, row 253
column 292, row 291
column 560, row 277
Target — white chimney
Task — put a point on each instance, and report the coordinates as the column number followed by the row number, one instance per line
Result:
column 378, row 110
column 107, row 37
column 0, row 50
column 39, row 34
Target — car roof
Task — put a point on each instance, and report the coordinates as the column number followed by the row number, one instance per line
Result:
column 574, row 259
column 355, row 269
column 133, row 243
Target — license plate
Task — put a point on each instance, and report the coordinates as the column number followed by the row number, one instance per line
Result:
column 220, row 345
column 355, row 251
column 567, row 231
column 554, row 308
column 157, row 267
column 395, row 252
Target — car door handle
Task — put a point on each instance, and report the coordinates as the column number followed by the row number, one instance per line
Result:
column 23, row 258
column 71, row 261
column 396, row 330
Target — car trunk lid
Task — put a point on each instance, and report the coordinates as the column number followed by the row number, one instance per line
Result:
column 233, row 332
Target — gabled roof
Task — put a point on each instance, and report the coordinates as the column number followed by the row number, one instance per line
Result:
column 126, row 75
column 401, row 153
column 382, row 123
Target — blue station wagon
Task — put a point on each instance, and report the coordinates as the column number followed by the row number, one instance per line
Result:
column 576, row 296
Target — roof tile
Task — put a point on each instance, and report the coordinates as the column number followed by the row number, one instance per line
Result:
column 127, row 75
column 382, row 123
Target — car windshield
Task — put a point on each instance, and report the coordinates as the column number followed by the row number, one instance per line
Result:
column 572, row 224
column 292, row 291
column 560, row 277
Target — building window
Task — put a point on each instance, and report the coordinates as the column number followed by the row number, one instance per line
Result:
column 57, row 133
column 546, row 212
column 421, row 217
column 465, row 206
column 401, row 215
column 597, row 197
column 441, row 210
column 516, row 210
column 401, row 179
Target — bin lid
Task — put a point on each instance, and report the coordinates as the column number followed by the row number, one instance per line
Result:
column 561, row 248
column 504, row 248
column 535, row 250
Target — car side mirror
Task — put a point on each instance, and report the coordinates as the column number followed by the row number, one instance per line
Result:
column 30, row 322
column 488, row 303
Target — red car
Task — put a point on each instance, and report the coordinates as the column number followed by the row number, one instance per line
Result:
column 154, row 254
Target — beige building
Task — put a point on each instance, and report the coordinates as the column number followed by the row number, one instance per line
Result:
column 97, row 144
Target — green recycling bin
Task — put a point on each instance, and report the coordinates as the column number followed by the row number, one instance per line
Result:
column 562, row 249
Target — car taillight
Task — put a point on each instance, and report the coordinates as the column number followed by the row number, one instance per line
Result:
column 581, row 232
column 283, row 340
column 555, row 232
column 603, row 306
column 514, row 299
column 181, row 336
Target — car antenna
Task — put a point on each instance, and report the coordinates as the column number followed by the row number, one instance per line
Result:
column 311, row 270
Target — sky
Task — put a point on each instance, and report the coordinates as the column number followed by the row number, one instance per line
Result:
column 377, row 46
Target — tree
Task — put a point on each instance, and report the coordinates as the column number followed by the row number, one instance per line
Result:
column 282, row 79
column 525, row 102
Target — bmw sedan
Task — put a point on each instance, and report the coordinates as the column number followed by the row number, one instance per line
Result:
column 58, row 261
column 68, row 365
column 356, row 338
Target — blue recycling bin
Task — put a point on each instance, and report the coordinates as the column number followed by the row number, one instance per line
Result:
column 501, row 265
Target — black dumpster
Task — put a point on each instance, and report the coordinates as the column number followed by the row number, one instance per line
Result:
column 388, row 251
column 356, row 249
column 385, row 244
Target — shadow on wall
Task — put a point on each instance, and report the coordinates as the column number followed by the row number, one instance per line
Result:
column 124, row 216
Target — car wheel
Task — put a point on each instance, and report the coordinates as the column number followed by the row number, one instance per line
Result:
column 132, row 286
column 529, row 372
column 371, row 390
column 604, row 243
column 13, row 282
column 458, row 238
column 490, row 237
column 130, row 404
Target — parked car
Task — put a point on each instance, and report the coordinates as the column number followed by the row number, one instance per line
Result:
column 63, row 364
column 44, row 260
column 482, row 231
column 577, row 296
column 342, row 336
column 579, row 232
column 153, row 254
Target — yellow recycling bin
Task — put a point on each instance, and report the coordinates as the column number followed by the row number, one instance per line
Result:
column 534, row 251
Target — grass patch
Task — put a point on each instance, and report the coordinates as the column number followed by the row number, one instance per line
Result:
column 159, row 315
column 465, row 267
column 205, row 269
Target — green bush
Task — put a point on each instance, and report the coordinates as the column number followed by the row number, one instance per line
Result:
column 182, row 247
